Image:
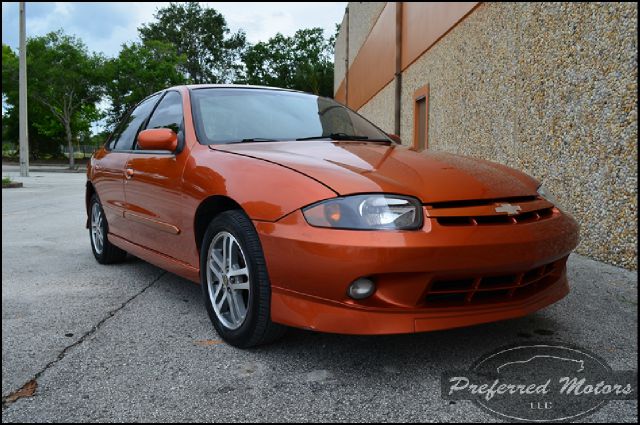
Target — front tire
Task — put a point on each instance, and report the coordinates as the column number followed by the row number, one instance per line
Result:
column 104, row 251
column 235, row 282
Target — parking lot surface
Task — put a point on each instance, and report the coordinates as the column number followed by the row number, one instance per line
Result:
column 130, row 342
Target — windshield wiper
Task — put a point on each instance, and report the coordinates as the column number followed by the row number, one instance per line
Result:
column 342, row 136
column 253, row 139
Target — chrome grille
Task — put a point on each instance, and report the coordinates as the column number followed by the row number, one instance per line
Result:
column 483, row 212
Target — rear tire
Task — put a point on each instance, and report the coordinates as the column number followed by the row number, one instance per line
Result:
column 104, row 251
column 235, row 282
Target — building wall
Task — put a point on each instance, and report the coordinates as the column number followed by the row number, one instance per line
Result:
column 340, row 55
column 380, row 108
column 362, row 16
column 547, row 88
column 359, row 19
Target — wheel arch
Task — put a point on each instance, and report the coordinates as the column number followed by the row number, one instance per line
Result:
column 88, row 194
column 208, row 209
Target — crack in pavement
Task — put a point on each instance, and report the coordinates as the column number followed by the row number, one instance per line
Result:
column 17, row 394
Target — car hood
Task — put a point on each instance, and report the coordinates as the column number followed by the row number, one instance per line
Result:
column 365, row 167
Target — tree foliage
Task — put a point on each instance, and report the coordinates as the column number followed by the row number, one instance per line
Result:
column 9, row 72
column 63, row 87
column 139, row 70
column 302, row 62
column 65, row 79
column 200, row 34
column 186, row 43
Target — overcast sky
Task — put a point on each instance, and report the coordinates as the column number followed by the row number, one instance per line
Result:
column 105, row 26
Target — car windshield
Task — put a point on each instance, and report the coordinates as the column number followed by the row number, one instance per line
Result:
column 235, row 115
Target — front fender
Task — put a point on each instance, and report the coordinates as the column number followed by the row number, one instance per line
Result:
column 266, row 191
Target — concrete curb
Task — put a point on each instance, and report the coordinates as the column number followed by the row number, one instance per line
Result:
column 46, row 168
column 12, row 185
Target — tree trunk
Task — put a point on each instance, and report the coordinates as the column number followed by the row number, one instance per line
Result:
column 72, row 160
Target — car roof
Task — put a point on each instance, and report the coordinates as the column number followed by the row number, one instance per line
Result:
column 222, row 86
column 234, row 86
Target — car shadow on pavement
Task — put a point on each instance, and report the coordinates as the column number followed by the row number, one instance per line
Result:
column 458, row 347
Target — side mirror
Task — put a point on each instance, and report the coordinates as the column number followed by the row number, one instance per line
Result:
column 395, row 138
column 158, row 139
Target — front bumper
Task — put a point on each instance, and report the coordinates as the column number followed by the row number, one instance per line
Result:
column 311, row 268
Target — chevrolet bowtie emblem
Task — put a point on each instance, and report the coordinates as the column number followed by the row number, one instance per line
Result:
column 508, row 208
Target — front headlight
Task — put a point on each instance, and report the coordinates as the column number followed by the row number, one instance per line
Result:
column 366, row 212
column 544, row 193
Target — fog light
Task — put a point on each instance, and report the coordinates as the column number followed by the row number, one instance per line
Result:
column 361, row 288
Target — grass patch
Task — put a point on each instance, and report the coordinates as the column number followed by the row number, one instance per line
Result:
column 8, row 183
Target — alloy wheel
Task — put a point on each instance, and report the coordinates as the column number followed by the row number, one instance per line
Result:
column 97, row 235
column 228, row 280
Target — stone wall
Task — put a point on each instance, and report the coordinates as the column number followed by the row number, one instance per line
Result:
column 380, row 109
column 340, row 54
column 362, row 17
column 547, row 88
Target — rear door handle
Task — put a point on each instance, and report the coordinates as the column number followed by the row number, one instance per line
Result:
column 128, row 173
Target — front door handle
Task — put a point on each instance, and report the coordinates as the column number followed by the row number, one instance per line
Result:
column 128, row 173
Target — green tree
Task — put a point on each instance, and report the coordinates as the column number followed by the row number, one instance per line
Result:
column 202, row 36
column 140, row 70
column 63, row 79
column 9, row 95
column 46, row 134
column 47, row 131
column 302, row 62
column 9, row 71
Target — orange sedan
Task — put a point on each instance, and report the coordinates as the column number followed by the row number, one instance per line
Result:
column 292, row 210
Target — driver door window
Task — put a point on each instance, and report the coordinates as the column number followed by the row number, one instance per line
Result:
column 123, row 137
column 168, row 114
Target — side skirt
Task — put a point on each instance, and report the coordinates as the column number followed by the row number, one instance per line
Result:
column 163, row 261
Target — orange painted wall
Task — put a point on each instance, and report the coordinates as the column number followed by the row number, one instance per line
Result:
column 374, row 66
column 341, row 93
column 423, row 24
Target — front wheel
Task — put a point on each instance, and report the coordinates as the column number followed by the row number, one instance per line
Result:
column 235, row 282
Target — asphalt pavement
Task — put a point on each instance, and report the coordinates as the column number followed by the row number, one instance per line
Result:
column 130, row 342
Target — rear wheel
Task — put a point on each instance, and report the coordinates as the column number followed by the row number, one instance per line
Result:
column 104, row 251
column 235, row 282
